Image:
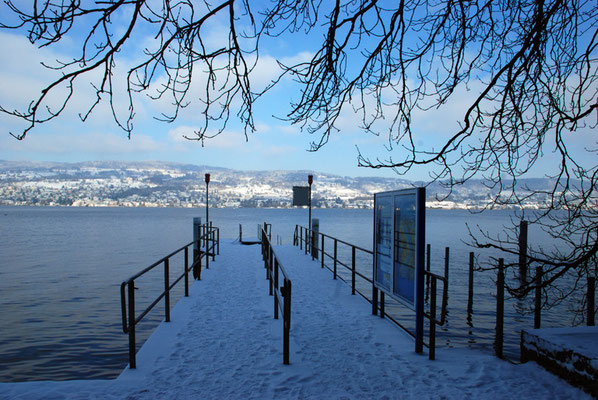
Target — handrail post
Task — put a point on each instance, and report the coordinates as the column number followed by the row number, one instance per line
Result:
column 276, row 288
column 186, row 271
column 131, row 290
column 206, row 237
column 287, row 320
column 335, row 243
column 352, row 269
column 212, row 240
column 270, row 268
column 538, row 305
column 300, row 238
column 432, row 344
column 382, row 304
column 427, row 269
column 500, row 297
column 199, row 267
column 218, row 241
column 167, row 290
column 322, row 251
column 306, row 240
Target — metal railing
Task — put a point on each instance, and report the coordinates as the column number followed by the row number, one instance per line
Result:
column 314, row 243
column 210, row 238
column 282, row 295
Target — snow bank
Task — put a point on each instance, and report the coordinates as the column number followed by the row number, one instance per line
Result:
column 223, row 343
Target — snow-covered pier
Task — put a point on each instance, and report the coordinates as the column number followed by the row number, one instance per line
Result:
column 223, row 343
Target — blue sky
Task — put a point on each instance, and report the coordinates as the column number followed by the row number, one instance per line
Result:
column 274, row 145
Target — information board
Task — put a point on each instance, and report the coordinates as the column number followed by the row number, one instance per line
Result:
column 399, row 242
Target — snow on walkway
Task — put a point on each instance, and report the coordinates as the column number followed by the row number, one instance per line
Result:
column 223, row 343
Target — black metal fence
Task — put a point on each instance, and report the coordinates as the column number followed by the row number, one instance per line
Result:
column 282, row 295
column 209, row 240
column 314, row 243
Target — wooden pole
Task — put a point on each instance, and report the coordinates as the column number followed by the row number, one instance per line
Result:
column 591, row 300
column 538, row 305
column 470, row 291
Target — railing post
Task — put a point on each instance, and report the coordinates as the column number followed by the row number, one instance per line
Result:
column 381, row 304
column 500, row 297
column 427, row 269
column 591, row 300
column 538, row 305
column 276, row 288
column 199, row 267
column 167, row 290
column 306, row 240
column 270, row 268
column 374, row 299
column 213, row 241
column 432, row 348
column 287, row 320
column 218, row 240
column 300, row 238
column 186, row 271
column 131, row 290
column 335, row 243
column 207, row 247
column 352, row 269
column 322, row 251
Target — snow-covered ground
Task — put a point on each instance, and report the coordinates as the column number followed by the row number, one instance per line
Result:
column 223, row 343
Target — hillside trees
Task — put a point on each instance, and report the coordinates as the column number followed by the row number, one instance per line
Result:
column 522, row 72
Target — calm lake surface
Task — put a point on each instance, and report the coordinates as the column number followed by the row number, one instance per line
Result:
column 61, row 269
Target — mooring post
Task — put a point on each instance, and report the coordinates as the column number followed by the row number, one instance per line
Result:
column 538, row 305
column 470, row 291
column 523, row 250
column 591, row 300
column 432, row 348
column 500, row 298
column 446, row 282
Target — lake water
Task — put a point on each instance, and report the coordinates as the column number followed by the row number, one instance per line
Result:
column 61, row 269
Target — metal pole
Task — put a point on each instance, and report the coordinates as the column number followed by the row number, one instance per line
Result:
column 322, row 251
column 335, row 242
column 131, row 290
column 427, row 269
column 352, row 269
column 432, row 350
column 446, row 282
column 207, row 199
column 500, row 297
column 167, row 290
column 186, row 271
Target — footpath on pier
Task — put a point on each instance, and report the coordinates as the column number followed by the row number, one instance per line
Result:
column 223, row 343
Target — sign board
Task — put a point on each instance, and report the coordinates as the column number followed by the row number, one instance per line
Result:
column 399, row 243
column 300, row 195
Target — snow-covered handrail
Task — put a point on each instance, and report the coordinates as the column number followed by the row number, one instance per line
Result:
column 211, row 240
column 282, row 295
